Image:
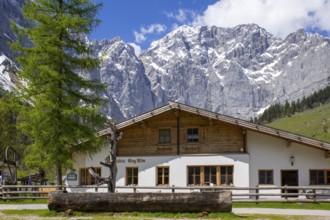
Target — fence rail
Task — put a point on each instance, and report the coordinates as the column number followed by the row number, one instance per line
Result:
column 239, row 194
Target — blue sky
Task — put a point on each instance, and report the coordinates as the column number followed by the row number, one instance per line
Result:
column 139, row 22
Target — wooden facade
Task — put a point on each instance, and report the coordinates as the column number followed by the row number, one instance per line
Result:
column 214, row 136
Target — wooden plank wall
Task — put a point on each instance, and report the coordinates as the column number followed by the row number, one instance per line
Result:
column 215, row 136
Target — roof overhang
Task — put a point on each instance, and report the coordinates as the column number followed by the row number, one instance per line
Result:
column 290, row 137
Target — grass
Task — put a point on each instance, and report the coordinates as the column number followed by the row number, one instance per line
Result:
column 314, row 206
column 24, row 201
column 31, row 214
column 321, row 206
column 314, row 123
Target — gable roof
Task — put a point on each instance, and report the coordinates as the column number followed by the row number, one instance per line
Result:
column 291, row 137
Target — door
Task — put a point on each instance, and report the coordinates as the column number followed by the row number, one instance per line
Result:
column 289, row 178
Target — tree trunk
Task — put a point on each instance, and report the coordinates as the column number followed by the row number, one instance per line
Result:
column 144, row 202
column 58, row 177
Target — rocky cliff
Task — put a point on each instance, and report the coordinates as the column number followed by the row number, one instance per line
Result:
column 236, row 71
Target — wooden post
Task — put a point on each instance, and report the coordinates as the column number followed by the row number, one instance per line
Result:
column 173, row 190
column 314, row 195
column 257, row 192
column 286, row 192
column 134, row 189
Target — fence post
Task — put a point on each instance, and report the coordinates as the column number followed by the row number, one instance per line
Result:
column 314, row 195
column 3, row 193
column 134, row 189
column 286, row 193
column 96, row 189
column 1, row 190
column 257, row 194
column 173, row 190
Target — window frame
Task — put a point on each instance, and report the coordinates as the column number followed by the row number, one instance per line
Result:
column 129, row 181
column 264, row 181
column 192, row 135
column 87, row 179
column 164, row 141
column 326, row 176
column 163, row 176
column 198, row 179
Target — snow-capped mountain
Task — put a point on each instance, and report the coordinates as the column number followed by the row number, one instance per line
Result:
column 129, row 90
column 8, row 77
column 237, row 71
column 10, row 10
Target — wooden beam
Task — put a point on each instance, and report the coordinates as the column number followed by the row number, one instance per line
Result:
column 326, row 154
column 176, row 113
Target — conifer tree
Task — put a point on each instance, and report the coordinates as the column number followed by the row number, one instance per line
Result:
column 63, row 107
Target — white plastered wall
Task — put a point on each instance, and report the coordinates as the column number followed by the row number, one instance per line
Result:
column 267, row 152
column 177, row 163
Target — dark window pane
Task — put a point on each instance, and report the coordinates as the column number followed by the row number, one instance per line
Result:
column 192, row 135
column 321, row 179
column 223, row 179
column 198, row 181
column 164, row 136
column 190, row 180
column 166, row 180
column 230, row 170
column 159, row 180
column 230, row 180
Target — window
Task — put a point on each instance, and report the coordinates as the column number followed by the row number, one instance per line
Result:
column 131, row 176
column 194, row 175
column 86, row 178
column 192, row 135
column 226, row 175
column 208, row 175
column 319, row 177
column 163, row 175
column 266, row 177
column 164, row 136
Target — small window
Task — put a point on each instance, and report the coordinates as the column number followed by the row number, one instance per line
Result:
column 194, row 175
column 226, row 175
column 131, row 176
column 210, row 175
column 163, row 176
column 85, row 178
column 164, row 136
column 266, row 177
column 319, row 177
column 192, row 135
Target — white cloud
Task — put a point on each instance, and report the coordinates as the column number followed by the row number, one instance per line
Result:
column 279, row 17
column 182, row 16
column 151, row 29
column 137, row 48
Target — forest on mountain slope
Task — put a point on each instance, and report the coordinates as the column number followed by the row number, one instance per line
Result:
column 277, row 111
column 308, row 117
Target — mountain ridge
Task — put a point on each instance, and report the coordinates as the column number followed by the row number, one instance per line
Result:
column 238, row 71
